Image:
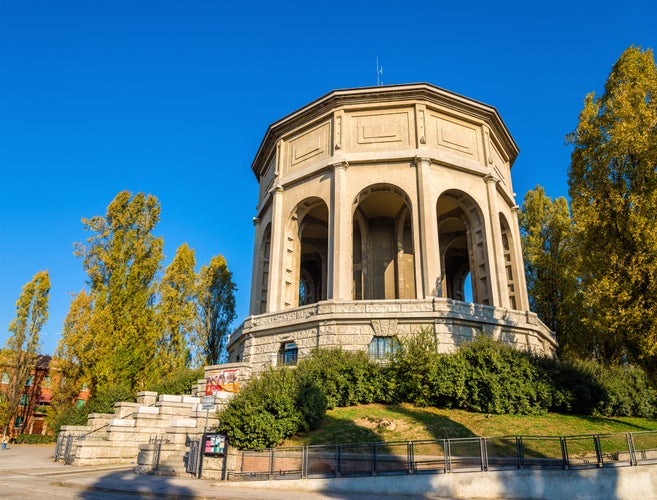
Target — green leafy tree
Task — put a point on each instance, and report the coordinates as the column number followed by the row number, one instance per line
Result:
column 216, row 309
column 122, row 258
column 613, row 188
column 178, row 382
column 23, row 343
column 75, row 350
column 75, row 360
column 4, row 411
column 177, row 310
column 552, row 264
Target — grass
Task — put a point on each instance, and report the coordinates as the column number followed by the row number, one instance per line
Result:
column 370, row 423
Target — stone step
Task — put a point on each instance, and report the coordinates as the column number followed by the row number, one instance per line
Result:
column 170, row 470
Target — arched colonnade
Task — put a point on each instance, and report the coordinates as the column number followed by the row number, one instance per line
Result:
column 385, row 260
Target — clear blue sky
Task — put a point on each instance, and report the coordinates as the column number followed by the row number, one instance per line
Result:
column 173, row 98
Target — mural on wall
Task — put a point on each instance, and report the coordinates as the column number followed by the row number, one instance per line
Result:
column 222, row 381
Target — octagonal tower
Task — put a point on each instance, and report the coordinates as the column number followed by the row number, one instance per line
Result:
column 382, row 211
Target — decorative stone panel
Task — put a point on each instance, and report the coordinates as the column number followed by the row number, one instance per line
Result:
column 373, row 131
column 454, row 136
column 309, row 146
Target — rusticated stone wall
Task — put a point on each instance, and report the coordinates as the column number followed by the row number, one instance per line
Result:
column 352, row 325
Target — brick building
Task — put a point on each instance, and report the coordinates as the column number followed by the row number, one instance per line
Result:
column 36, row 397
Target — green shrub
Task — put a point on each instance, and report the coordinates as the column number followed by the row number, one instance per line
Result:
column 627, row 392
column 503, row 379
column 179, row 382
column 346, row 378
column 312, row 402
column 449, row 385
column 34, row 439
column 588, row 388
column 484, row 376
column 414, row 369
column 574, row 385
column 270, row 408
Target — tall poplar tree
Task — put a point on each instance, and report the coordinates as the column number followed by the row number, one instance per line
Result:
column 177, row 310
column 122, row 258
column 551, row 264
column 613, row 188
column 216, row 309
column 76, row 354
column 23, row 344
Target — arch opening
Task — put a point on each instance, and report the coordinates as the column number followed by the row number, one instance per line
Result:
column 306, row 273
column 463, row 256
column 510, row 273
column 383, row 255
column 265, row 252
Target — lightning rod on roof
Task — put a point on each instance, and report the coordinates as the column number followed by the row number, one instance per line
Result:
column 379, row 73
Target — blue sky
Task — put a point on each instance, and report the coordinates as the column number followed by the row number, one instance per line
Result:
column 173, row 98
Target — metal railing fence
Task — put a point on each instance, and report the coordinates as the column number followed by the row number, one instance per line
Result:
column 448, row 455
column 193, row 456
column 156, row 442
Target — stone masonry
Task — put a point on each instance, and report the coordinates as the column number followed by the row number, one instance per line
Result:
column 134, row 432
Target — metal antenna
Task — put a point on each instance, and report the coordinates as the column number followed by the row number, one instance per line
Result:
column 379, row 73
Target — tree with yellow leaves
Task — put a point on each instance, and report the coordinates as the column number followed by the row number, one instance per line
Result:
column 551, row 263
column 613, row 190
column 177, row 310
column 215, row 310
column 122, row 259
column 22, row 345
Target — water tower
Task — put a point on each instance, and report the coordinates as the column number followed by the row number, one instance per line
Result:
column 382, row 211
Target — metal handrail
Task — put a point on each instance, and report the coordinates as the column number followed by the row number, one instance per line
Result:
column 449, row 455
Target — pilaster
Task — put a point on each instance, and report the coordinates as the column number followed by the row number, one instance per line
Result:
column 256, row 270
column 493, row 242
column 277, row 254
column 426, row 233
column 340, row 236
column 521, row 293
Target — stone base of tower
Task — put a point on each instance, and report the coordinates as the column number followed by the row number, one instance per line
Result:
column 262, row 340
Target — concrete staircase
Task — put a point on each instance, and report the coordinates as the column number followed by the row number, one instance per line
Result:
column 153, row 433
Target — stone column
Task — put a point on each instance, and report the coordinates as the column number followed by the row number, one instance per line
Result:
column 340, row 237
column 521, row 281
column 494, row 245
column 275, row 286
column 256, row 270
column 428, row 253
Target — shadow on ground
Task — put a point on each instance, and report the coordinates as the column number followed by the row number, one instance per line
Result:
column 128, row 482
column 440, row 427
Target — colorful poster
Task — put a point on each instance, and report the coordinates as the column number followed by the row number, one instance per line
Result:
column 222, row 381
column 215, row 444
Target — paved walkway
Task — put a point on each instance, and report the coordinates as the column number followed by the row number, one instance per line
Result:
column 29, row 472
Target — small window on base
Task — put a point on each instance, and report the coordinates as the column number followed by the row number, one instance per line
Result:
column 287, row 355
